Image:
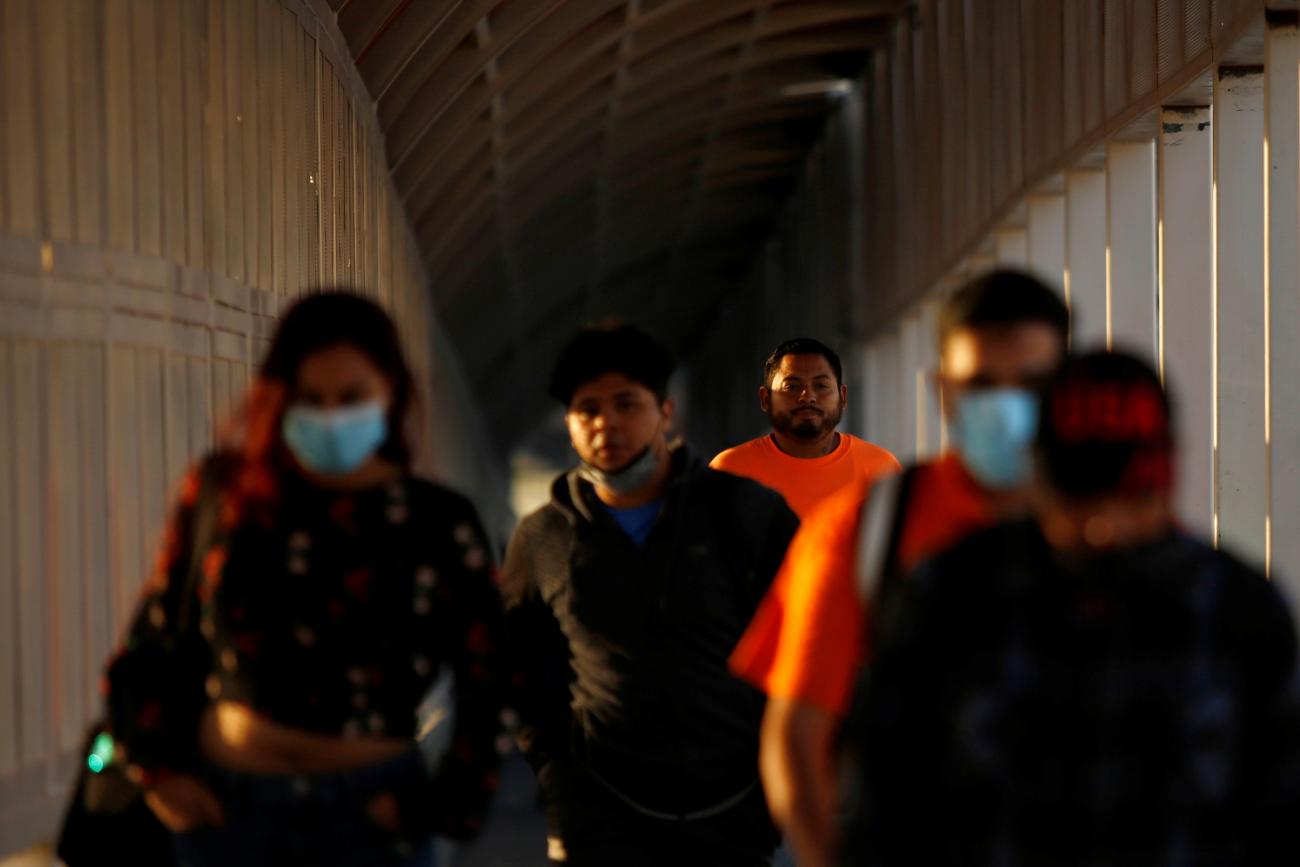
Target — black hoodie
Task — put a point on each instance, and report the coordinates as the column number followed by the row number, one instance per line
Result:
column 620, row 651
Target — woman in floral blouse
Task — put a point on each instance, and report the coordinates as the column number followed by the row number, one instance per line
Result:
column 267, row 691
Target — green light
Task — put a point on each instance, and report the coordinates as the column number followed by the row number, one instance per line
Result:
column 101, row 753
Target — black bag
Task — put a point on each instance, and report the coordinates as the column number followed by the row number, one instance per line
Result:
column 107, row 816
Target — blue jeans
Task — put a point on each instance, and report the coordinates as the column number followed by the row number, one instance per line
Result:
column 317, row 819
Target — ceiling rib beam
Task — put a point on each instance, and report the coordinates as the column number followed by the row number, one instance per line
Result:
column 600, row 244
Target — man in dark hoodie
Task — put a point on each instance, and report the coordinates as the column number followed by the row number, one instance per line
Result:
column 625, row 595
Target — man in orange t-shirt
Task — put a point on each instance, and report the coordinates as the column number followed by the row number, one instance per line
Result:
column 804, row 458
column 1000, row 338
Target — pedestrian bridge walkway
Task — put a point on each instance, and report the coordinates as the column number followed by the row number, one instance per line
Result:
column 728, row 173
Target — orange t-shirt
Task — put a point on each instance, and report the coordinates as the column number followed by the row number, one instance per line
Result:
column 805, row 482
column 808, row 639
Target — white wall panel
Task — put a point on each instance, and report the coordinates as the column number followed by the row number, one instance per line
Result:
column 1047, row 238
column 129, row 560
column 875, row 394
column 1187, row 303
column 903, row 412
column 1240, row 183
column 889, row 405
column 1085, row 255
column 931, row 441
column 1131, row 239
column 31, row 456
column 909, row 378
column 1012, row 243
column 1282, row 67
column 150, row 429
column 22, row 206
column 10, row 707
column 68, row 672
column 94, row 586
column 177, row 453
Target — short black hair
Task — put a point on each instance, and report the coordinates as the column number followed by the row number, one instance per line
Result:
column 611, row 348
column 801, row 346
column 1004, row 297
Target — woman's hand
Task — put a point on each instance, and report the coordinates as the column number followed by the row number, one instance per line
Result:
column 384, row 812
column 183, row 803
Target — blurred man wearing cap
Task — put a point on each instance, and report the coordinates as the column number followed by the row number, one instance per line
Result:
column 1088, row 685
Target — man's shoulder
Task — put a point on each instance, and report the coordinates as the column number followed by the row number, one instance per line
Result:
column 739, row 457
column 714, row 480
column 1244, row 580
column 871, row 451
column 1227, row 559
column 724, row 489
column 544, row 522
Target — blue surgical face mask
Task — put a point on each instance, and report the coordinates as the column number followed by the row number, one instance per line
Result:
column 334, row 442
column 994, row 430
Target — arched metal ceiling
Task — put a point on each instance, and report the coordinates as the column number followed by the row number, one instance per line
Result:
column 563, row 160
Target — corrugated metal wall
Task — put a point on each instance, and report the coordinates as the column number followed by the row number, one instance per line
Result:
column 978, row 101
column 172, row 174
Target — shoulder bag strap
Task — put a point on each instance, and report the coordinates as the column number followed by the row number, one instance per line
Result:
column 880, row 529
column 203, row 531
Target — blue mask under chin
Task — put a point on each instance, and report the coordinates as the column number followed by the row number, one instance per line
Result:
column 337, row 441
column 994, row 431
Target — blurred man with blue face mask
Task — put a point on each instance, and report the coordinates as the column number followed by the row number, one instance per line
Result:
column 1001, row 337
column 990, row 375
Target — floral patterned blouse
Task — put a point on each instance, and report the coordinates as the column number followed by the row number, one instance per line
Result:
column 334, row 615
